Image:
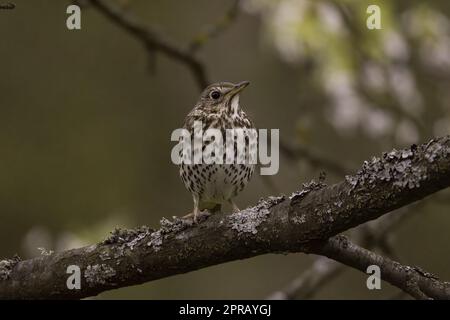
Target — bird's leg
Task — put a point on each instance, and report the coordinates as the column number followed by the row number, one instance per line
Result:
column 235, row 207
column 195, row 212
column 195, row 208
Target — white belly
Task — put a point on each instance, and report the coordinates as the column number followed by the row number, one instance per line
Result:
column 219, row 188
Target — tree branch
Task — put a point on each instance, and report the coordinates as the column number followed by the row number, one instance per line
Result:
column 299, row 223
column 152, row 40
column 310, row 281
column 412, row 280
column 215, row 29
column 323, row 269
column 302, row 153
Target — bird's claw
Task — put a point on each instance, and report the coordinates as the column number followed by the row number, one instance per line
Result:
column 196, row 218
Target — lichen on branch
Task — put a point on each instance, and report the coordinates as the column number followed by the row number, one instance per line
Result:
column 299, row 223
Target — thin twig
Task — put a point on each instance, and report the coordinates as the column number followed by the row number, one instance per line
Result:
column 152, row 40
column 215, row 29
column 302, row 153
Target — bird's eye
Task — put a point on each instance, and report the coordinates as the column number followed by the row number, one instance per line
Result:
column 215, row 95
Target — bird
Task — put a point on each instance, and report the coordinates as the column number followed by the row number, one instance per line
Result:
column 213, row 185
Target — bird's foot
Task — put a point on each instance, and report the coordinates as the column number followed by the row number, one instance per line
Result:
column 235, row 207
column 196, row 218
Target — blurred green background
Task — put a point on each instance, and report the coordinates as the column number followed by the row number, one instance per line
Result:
column 85, row 125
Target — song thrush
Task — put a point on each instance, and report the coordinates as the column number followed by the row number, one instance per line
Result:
column 213, row 185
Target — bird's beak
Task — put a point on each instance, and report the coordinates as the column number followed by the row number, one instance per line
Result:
column 239, row 87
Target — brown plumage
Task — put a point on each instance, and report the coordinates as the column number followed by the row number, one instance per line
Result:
column 212, row 185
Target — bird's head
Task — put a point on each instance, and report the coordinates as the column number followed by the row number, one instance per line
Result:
column 222, row 96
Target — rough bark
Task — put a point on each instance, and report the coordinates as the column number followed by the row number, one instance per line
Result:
column 412, row 280
column 323, row 270
column 298, row 223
